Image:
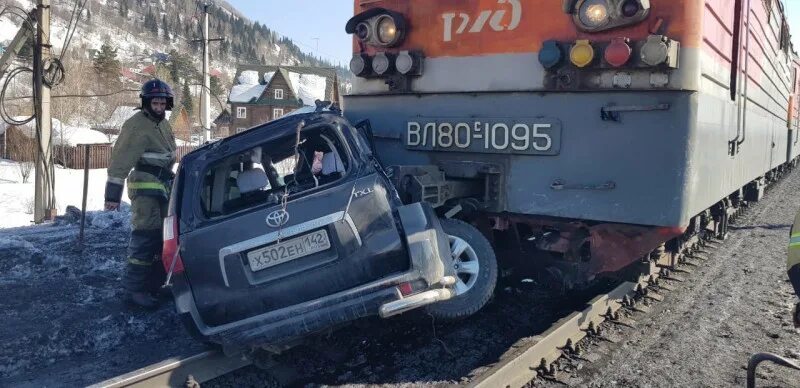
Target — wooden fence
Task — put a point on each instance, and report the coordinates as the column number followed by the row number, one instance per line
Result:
column 73, row 156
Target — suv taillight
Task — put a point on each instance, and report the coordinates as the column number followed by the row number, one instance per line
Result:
column 171, row 246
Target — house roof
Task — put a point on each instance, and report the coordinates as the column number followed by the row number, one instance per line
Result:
column 224, row 117
column 61, row 134
column 307, row 83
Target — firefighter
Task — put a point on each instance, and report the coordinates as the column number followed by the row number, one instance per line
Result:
column 145, row 144
column 793, row 265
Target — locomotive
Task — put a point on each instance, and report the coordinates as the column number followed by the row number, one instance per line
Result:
column 585, row 137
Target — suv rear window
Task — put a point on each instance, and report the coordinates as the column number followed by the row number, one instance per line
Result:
column 266, row 173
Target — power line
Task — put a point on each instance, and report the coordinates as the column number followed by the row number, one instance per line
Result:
column 78, row 95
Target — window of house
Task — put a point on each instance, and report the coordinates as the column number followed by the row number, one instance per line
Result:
column 240, row 130
column 241, row 112
column 264, row 174
column 277, row 113
column 279, row 94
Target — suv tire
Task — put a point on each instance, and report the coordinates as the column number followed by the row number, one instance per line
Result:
column 479, row 276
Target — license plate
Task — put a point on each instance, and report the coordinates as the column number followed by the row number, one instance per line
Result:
column 288, row 250
column 528, row 136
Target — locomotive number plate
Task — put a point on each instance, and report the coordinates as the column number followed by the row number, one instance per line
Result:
column 528, row 136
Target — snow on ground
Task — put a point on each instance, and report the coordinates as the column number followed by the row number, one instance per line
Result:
column 16, row 198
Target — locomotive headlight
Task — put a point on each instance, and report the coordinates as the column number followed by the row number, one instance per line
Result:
column 602, row 15
column 363, row 31
column 593, row 13
column 378, row 27
column 387, row 30
column 630, row 8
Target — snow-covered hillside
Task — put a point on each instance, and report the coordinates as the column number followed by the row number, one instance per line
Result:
column 143, row 33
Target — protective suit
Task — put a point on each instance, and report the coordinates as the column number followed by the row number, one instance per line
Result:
column 146, row 144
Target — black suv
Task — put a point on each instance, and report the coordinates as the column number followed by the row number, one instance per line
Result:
column 292, row 227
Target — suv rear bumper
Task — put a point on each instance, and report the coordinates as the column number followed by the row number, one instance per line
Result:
column 430, row 265
column 297, row 321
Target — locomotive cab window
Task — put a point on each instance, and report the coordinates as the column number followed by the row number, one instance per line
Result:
column 264, row 174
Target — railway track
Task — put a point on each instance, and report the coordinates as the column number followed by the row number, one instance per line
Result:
column 178, row 372
column 527, row 361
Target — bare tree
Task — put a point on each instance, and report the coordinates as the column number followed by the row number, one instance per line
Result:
column 25, row 169
column 22, row 149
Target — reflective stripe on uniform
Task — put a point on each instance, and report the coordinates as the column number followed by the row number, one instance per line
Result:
column 116, row 181
column 147, row 186
column 794, row 241
column 134, row 261
column 159, row 155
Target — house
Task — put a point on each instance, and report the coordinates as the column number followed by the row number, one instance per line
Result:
column 222, row 124
column 18, row 142
column 180, row 123
column 264, row 93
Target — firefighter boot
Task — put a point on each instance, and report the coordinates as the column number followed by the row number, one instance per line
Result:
column 143, row 300
column 143, row 250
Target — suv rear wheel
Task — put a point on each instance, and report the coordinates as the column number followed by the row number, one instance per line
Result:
column 475, row 265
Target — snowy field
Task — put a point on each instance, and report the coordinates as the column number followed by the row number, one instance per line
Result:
column 16, row 198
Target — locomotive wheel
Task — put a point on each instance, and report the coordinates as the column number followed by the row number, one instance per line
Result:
column 475, row 265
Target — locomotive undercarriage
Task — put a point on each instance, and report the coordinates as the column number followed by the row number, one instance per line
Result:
column 574, row 254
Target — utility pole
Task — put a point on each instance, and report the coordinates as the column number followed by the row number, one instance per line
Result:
column 44, row 209
column 205, row 95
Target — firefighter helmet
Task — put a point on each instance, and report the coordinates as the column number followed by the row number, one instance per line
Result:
column 157, row 88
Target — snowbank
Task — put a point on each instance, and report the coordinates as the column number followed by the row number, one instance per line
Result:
column 16, row 198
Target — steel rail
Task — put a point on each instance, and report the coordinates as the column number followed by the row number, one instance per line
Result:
column 564, row 336
column 550, row 345
column 537, row 358
column 175, row 372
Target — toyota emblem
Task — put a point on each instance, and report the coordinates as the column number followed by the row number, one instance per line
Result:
column 277, row 218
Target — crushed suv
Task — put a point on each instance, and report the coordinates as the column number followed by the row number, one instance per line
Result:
column 292, row 228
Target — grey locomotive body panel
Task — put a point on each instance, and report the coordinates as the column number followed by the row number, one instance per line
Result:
column 665, row 160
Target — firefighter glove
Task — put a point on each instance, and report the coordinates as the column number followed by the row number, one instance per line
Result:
column 113, row 192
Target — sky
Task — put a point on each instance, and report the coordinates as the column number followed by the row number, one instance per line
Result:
column 321, row 22
column 793, row 17
column 305, row 21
